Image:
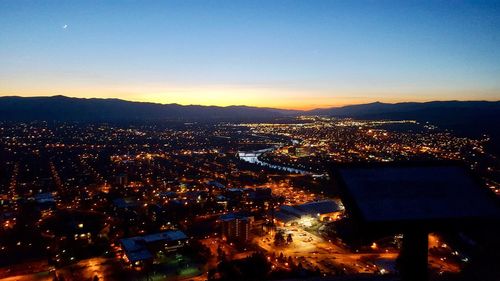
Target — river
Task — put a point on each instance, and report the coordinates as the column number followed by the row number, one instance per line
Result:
column 253, row 157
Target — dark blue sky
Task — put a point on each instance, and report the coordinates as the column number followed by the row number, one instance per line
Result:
column 295, row 54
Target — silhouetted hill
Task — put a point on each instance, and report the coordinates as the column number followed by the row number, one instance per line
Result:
column 468, row 118
column 456, row 115
column 378, row 108
column 61, row 108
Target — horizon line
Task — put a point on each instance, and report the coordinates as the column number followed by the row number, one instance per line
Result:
column 243, row 105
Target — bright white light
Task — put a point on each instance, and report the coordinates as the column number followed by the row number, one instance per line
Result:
column 306, row 222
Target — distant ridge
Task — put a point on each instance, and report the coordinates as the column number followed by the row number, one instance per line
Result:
column 62, row 108
column 96, row 109
column 377, row 108
column 471, row 118
column 466, row 118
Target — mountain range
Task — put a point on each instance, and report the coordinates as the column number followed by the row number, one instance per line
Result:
column 471, row 118
column 466, row 118
column 61, row 108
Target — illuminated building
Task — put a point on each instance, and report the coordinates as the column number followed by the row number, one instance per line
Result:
column 235, row 227
column 142, row 249
column 309, row 213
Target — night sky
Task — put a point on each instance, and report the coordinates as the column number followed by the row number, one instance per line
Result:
column 286, row 54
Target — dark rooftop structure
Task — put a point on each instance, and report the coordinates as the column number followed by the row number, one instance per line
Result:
column 231, row 216
column 125, row 203
column 418, row 193
column 414, row 199
column 216, row 184
column 138, row 248
column 44, row 198
column 320, row 207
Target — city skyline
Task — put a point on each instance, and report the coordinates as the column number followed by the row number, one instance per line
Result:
column 283, row 54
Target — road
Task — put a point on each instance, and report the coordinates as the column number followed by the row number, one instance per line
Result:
column 313, row 251
column 104, row 268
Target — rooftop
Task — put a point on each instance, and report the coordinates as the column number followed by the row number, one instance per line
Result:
column 136, row 247
column 320, row 207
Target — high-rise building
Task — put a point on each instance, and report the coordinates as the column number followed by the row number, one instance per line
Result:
column 235, row 227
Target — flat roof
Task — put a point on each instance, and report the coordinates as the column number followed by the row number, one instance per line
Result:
column 292, row 211
column 46, row 197
column 172, row 235
column 124, row 203
column 289, row 213
column 136, row 247
column 320, row 207
column 284, row 217
column 423, row 192
column 232, row 216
